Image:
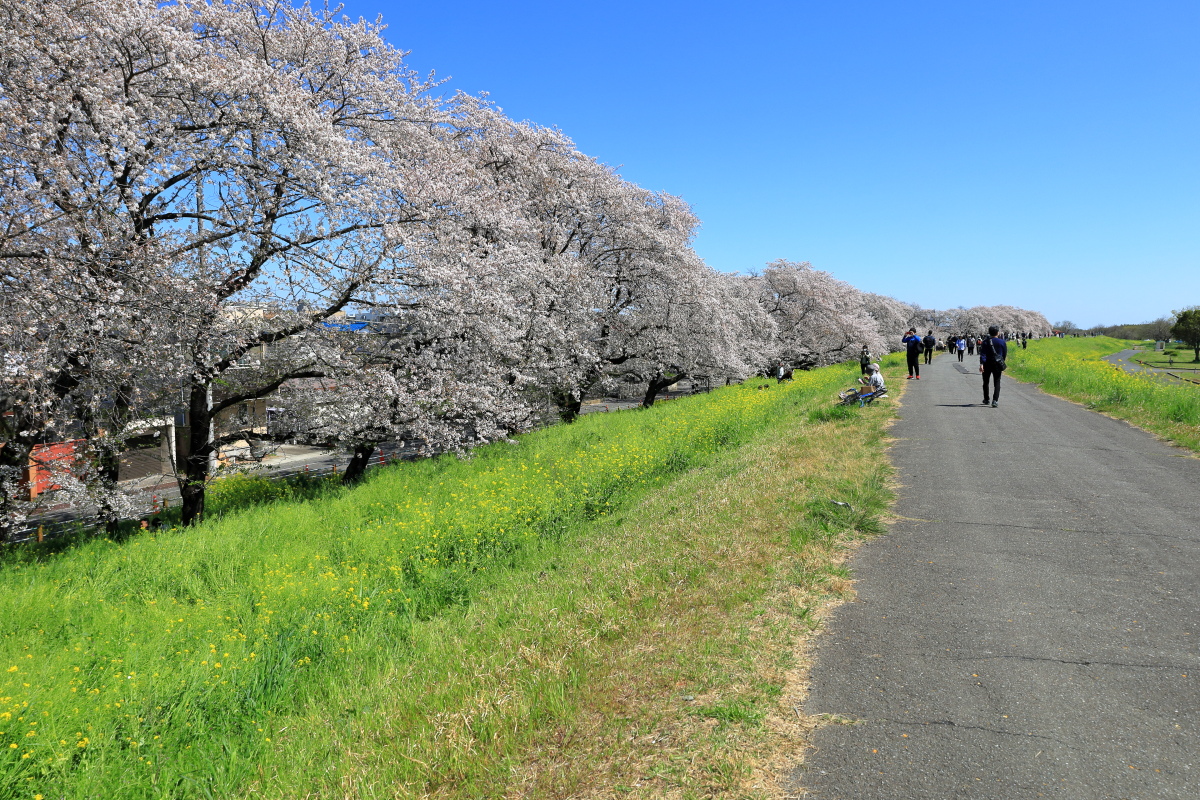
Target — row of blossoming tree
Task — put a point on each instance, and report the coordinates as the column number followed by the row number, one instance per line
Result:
column 190, row 192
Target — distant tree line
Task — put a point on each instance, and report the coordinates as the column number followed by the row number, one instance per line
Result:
column 1158, row 330
column 1182, row 326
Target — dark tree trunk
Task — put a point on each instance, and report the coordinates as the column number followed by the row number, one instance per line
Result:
column 14, row 461
column 202, row 441
column 199, row 449
column 571, row 410
column 657, row 385
column 358, row 464
column 108, row 457
column 652, row 390
column 108, row 466
column 568, row 406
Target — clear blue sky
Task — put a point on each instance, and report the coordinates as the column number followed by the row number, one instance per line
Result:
column 1041, row 154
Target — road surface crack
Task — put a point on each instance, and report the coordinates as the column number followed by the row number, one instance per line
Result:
column 949, row 723
column 1045, row 528
column 1072, row 662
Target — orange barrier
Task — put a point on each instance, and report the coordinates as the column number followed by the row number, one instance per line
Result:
column 43, row 462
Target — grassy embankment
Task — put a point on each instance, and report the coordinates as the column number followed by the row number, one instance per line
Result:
column 1072, row 368
column 612, row 606
column 1177, row 357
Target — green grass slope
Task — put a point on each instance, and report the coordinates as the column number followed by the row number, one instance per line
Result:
column 1074, row 369
column 257, row 653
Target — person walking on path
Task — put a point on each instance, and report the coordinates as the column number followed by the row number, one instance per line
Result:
column 864, row 360
column 993, row 352
column 970, row 345
column 915, row 348
column 929, row 344
column 961, row 346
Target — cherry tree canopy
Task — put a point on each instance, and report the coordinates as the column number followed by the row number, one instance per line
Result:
column 254, row 168
column 598, row 264
column 820, row 319
column 1010, row 320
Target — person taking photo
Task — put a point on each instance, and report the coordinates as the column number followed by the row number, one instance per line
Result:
column 915, row 348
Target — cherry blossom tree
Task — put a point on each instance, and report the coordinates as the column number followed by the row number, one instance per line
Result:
column 1011, row 320
column 893, row 317
column 685, row 329
column 431, row 373
column 81, row 305
column 821, row 320
column 597, row 258
column 757, row 331
column 270, row 162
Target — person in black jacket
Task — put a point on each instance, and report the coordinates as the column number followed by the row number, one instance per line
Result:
column 929, row 342
column 992, row 352
column 915, row 348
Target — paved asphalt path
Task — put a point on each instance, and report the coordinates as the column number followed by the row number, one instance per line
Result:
column 1030, row 627
column 1184, row 373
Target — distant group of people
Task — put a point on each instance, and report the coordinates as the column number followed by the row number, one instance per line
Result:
column 992, row 349
column 967, row 345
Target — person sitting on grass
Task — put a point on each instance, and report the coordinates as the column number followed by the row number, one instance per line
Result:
column 873, row 382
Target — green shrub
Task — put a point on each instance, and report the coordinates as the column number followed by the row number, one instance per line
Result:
column 241, row 489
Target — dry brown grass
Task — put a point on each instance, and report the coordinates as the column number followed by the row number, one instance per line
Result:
column 701, row 694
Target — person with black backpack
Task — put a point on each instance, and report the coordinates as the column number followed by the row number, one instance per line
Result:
column 915, row 347
column 929, row 342
column 993, row 353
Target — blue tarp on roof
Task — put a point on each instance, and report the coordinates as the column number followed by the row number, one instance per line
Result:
column 345, row 326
